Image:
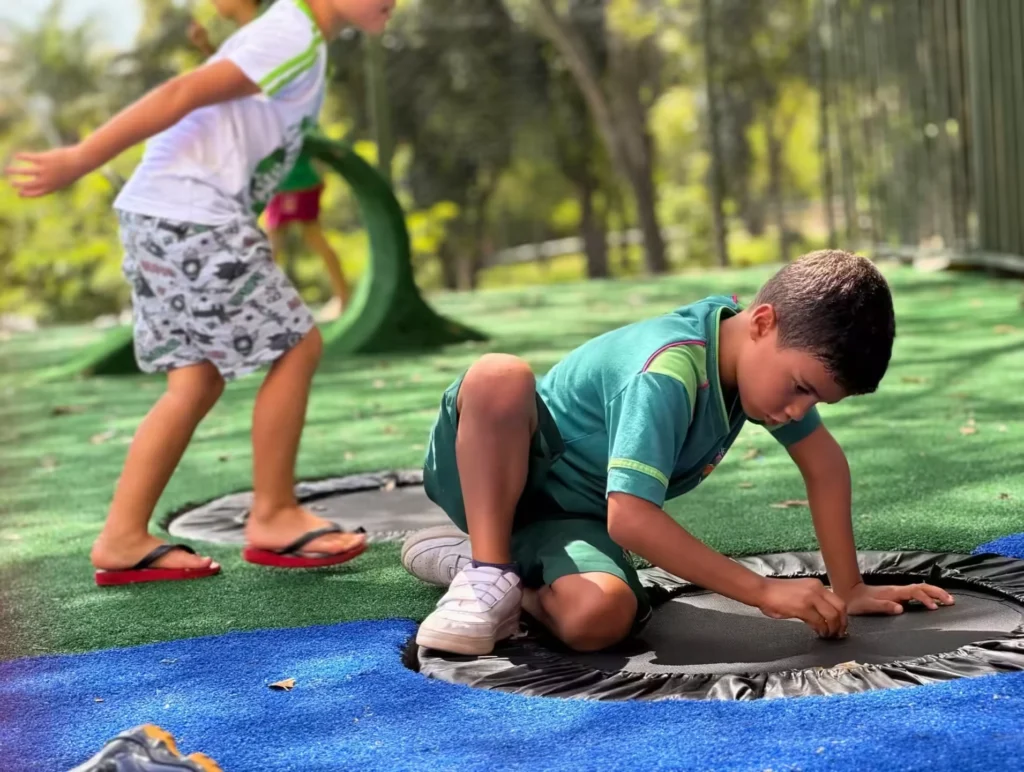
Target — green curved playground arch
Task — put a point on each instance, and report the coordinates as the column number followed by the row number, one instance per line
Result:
column 386, row 313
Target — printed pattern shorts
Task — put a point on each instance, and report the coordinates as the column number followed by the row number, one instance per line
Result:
column 204, row 293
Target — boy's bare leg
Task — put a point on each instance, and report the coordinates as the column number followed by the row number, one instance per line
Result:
column 315, row 240
column 278, row 244
column 276, row 518
column 497, row 416
column 157, row 448
column 587, row 612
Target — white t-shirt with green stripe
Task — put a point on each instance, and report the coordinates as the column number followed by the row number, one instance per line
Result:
column 225, row 161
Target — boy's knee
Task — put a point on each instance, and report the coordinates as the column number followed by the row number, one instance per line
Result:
column 501, row 385
column 598, row 617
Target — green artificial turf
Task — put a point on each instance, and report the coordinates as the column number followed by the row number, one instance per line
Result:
column 935, row 456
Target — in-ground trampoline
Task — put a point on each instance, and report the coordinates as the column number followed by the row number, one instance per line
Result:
column 701, row 645
column 698, row 645
column 387, row 506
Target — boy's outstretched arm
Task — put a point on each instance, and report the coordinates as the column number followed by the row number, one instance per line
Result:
column 826, row 474
column 38, row 174
column 641, row 527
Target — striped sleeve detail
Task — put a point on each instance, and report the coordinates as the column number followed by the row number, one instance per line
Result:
column 685, row 362
column 636, row 466
column 281, row 76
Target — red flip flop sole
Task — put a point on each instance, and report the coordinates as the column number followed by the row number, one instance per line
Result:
column 137, row 576
column 277, row 560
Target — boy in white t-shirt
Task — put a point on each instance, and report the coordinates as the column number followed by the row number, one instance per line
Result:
column 209, row 303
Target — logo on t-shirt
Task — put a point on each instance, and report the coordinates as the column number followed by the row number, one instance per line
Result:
column 265, row 178
column 709, row 468
column 271, row 171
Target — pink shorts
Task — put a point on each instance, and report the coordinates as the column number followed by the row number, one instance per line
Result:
column 294, row 206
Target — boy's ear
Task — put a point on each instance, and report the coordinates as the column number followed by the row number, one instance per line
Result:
column 762, row 320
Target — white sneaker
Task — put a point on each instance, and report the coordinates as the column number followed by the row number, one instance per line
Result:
column 435, row 555
column 480, row 608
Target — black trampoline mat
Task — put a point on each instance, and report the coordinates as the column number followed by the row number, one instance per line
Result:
column 388, row 506
column 703, row 632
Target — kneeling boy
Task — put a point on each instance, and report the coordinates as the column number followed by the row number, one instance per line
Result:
column 557, row 480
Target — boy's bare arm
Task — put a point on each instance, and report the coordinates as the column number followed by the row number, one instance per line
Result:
column 826, row 475
column 37, row 174
column 640, row 527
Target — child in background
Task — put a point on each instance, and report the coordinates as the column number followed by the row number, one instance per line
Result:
column 298, row 196
column 298, row 201
column 209, row 303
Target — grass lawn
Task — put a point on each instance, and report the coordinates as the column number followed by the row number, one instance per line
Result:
column 935, row 455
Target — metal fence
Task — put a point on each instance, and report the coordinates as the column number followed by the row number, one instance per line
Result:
column 923, row 125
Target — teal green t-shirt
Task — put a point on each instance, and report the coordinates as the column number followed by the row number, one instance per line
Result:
column 641, row 410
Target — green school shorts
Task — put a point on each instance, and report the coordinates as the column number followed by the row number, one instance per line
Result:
column 547, row 542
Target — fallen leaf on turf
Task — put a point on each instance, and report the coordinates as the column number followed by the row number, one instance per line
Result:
column 913, row 379
column 99, row 439
column 286, row 685
column 416, row 378
column 977, row 303
column 751, row 454
column 349, row 455
column 379, row 384
column 418, row 446
column 791, row 503
column 967, row 430
column 1004, row 329
column 67, row 410
column 389, row 429
column 389, row 486
column 746, row 485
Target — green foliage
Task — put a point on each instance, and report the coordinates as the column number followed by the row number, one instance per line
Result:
column 494, row 144
column 794, row 118
column 66, row 266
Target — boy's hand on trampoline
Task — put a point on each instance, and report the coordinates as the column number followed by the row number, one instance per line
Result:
column 889, row 599
column 807, row 600
column 38, row 174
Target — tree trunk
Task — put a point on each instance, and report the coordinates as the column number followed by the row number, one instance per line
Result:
column 646, row 212
column 775, row 190
column 467, row 271
column 714, row 140
column 471, row 259
column 624, row 144
column 593, row 231
column 624, row 85
column 449, row 273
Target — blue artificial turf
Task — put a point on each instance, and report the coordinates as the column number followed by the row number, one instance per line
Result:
column 355, row 706
column 1012, row 546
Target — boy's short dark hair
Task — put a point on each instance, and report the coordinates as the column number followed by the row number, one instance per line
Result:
column 837, row 307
